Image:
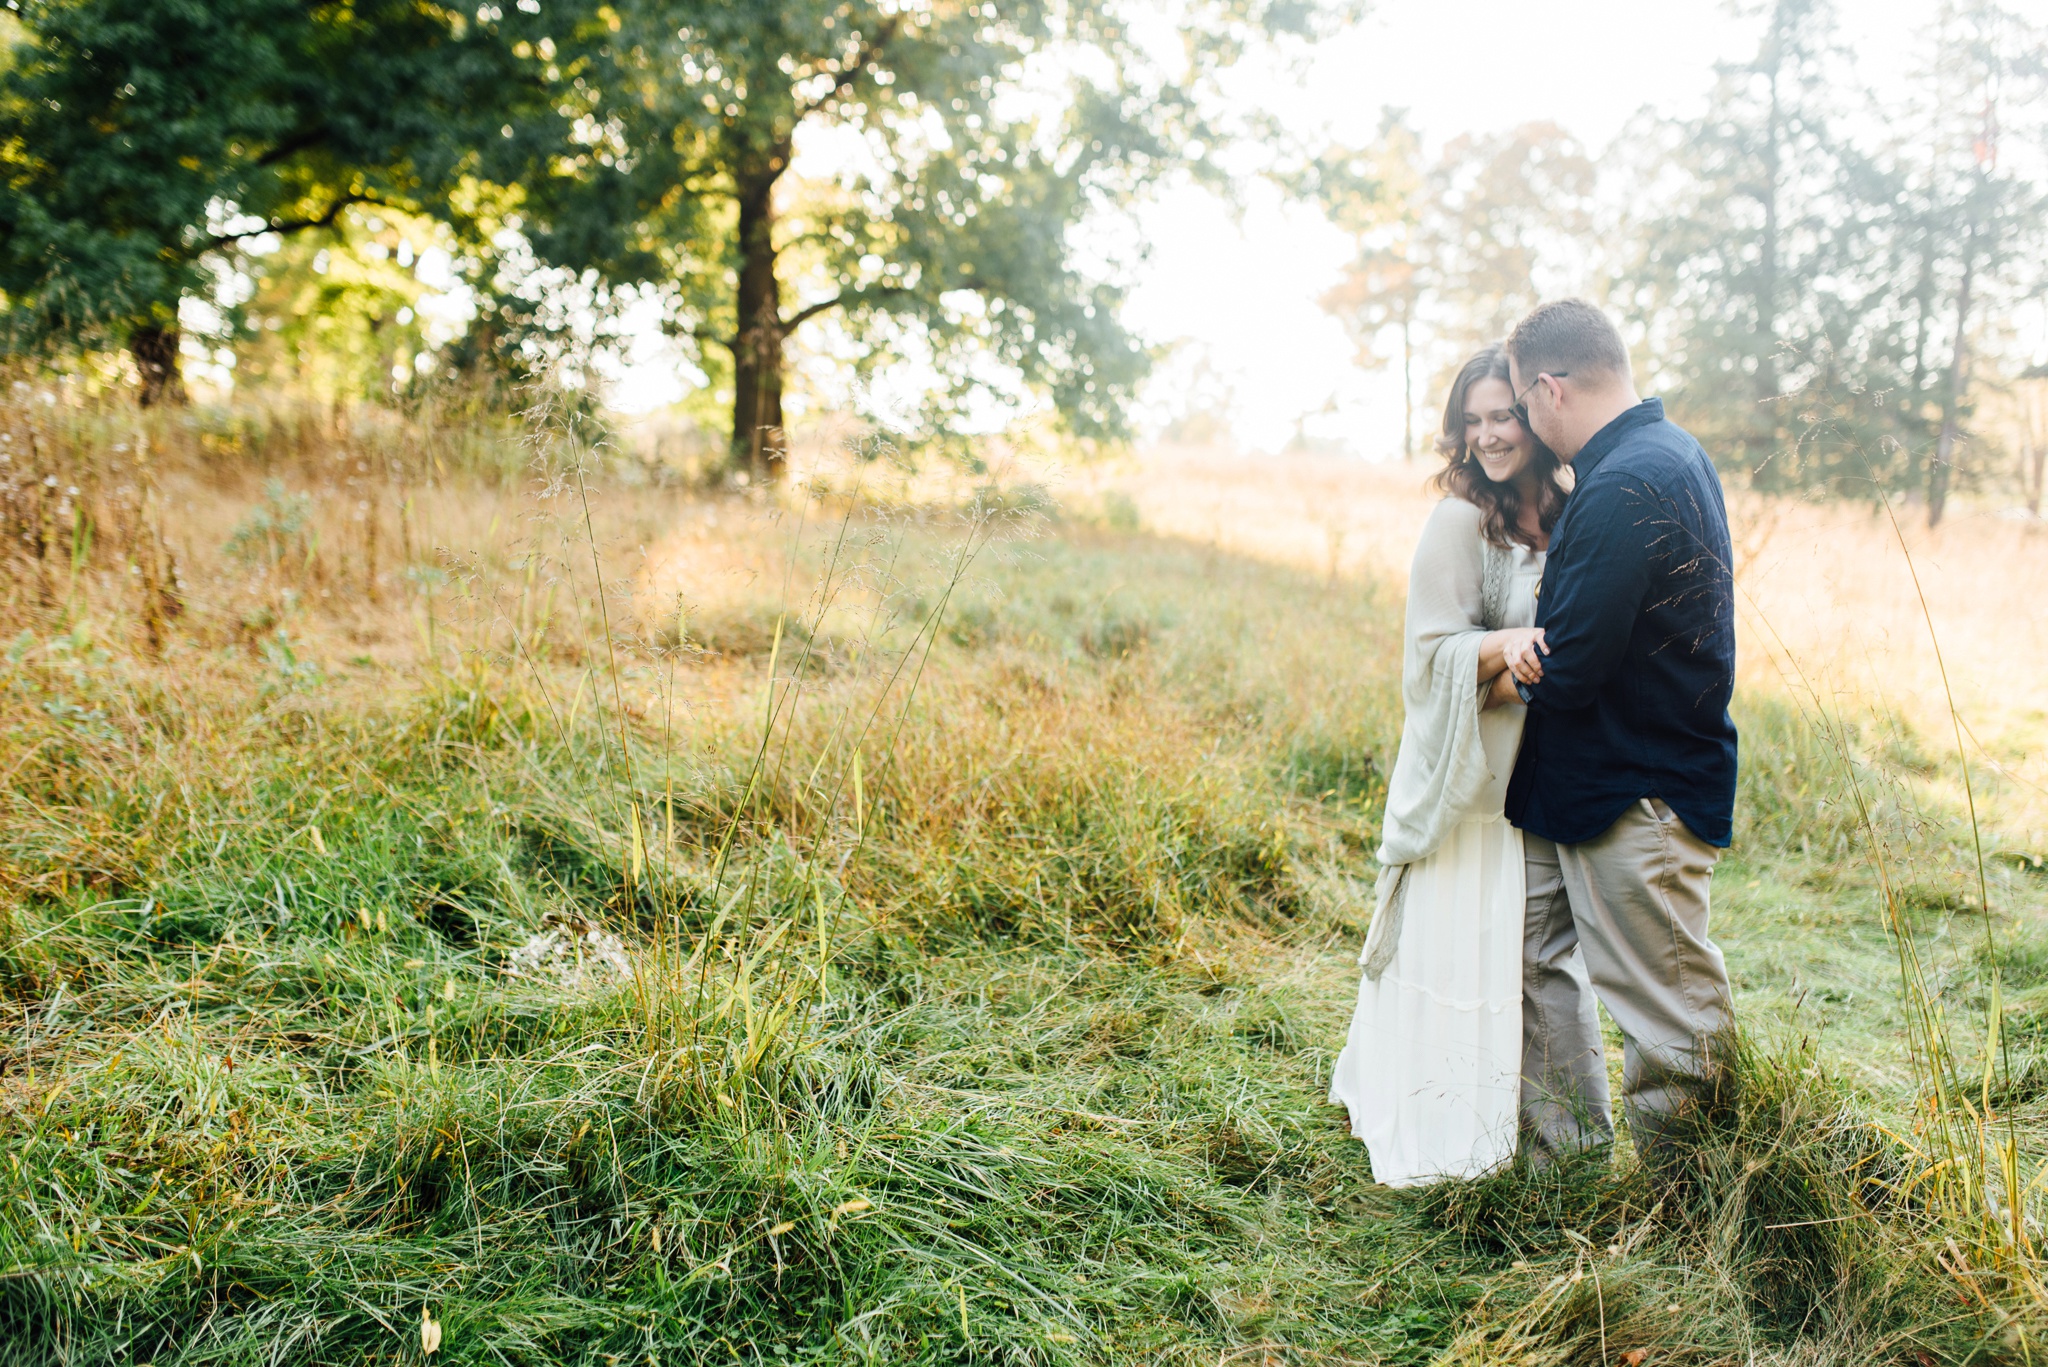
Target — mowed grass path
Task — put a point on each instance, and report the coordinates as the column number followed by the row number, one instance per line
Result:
column 1006, row 1042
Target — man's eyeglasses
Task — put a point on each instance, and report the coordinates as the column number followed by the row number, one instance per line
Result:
column 1522, row 399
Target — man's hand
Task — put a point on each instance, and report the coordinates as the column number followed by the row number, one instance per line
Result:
column 1500, row 693
column 1522, row 650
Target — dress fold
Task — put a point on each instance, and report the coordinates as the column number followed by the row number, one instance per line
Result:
column 1431, row 1070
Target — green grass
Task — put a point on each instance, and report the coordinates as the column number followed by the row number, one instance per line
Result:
column 1013, row 1052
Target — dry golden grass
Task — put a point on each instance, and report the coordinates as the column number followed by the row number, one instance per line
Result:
column 1328, row 515
column 393, row 552
column 1833, row 588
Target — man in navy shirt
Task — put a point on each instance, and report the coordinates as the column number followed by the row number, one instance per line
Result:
column 1625, row 785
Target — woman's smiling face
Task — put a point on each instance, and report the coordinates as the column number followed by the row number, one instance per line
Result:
column 1493, row 433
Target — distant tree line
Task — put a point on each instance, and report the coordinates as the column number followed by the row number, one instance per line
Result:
column 907, row 174
column 1823, row 280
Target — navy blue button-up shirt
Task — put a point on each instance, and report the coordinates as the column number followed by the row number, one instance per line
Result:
column 1638, row 609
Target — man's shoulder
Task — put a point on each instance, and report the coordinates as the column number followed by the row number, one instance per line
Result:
column 1654, row 454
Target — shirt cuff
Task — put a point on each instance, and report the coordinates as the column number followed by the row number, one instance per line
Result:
column 1522, row 691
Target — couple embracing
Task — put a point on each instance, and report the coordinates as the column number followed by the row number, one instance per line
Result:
column 1565, row 783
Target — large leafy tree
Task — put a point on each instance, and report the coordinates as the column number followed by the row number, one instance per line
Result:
column 911, row 171
column 140, row 137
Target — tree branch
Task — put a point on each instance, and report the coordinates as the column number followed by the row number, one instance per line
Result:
column 291, row 146
column 810, row 311
column 700, row 338
column 296, row 225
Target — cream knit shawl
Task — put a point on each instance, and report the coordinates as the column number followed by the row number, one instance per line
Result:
column 1457, row 592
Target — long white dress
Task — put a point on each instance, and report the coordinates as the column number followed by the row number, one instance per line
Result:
column 1431, row 1071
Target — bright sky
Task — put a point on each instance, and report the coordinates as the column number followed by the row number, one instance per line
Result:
column 1235, row 293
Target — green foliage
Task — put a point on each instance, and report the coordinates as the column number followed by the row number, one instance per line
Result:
column 137, row 137
column 272, row 529
column 1815, row 299
column 332, row 313
column 937, row 226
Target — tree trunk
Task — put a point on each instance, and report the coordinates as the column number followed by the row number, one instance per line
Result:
column 1952, row 395
column 2033, row 439
column 1915, row 422
column 1407, row 381
column 758, row 443
column 1761, row 440
column 155, row 349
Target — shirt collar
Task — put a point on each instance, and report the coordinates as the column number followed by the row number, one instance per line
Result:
column 1607, row 438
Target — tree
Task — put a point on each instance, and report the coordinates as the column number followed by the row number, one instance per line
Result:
column 1751, row 263
column 1506, row 220
column 1451, row 255
column 1988, row 62
column 1813, row 301
column 2030, row 405
column 1375, row 194
column 914, row 173
column 139, row 137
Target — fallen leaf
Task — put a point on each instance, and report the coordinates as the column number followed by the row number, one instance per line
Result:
column 430, row 1333
column 1635, row 1357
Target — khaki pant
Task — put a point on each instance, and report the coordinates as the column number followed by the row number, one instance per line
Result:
column 1624, row 915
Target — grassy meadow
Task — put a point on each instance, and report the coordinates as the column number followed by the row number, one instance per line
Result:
column 465, row 897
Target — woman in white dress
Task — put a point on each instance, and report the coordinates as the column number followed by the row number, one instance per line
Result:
column 1432, row 1069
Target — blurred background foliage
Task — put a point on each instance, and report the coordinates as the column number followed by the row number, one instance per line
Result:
column 1824, row 280
column 1831, row 284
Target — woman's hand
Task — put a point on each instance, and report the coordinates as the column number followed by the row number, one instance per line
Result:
column 1521, row 652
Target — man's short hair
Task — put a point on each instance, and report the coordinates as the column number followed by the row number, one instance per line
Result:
column 1567, row 337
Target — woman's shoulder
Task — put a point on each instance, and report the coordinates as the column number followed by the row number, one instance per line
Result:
column 1462, row 512
column 1454, row 516
column 1451, row 536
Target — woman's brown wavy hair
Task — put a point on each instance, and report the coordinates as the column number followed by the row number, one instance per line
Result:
column 1500, row 505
